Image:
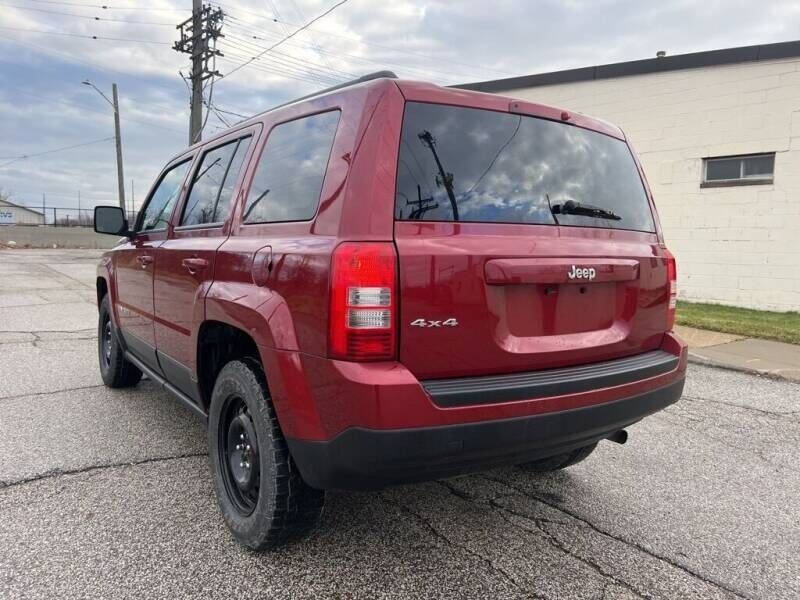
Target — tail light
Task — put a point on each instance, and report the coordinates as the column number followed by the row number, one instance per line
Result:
column 363, row 301
column 672, row 277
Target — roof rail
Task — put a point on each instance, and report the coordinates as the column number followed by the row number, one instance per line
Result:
column 339, row 86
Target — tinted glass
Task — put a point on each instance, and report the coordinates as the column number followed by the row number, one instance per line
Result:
column 502, row 168
column 162, row 201
column 213, row 182
column 759, row 165
column 288, row 179
column 726, row 168
column 226, row 193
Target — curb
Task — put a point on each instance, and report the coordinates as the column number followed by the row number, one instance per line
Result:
column 697, row 359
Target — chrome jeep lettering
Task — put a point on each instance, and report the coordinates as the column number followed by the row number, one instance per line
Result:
column 582, row 273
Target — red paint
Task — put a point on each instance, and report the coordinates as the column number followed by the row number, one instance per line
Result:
column 505, row 284
column 332, row 395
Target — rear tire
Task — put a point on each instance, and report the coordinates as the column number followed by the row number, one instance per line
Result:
column 115, row 370
column 262, row 496
column 559, row 461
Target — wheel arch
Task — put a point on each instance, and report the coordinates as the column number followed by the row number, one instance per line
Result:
column 218, row 343
column 101, row 286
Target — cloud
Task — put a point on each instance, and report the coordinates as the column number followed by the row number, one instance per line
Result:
column 44, row 106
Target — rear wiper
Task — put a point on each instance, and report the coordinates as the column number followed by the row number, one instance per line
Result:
column 570, row 207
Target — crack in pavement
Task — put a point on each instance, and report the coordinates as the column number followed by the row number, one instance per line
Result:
column 75, row 279
column 440, row 536
column 38, row 339
column 559, row 545
column 539, row 524
column 32, row 394
column 699, row 399
column 52, row 473
column 688, row 570
column 664, row 416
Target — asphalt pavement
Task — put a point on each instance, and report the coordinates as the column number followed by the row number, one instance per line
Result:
column 107, row 494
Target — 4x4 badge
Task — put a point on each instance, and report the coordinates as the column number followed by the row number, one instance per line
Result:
column 451, row 322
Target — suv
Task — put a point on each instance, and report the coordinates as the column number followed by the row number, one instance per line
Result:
column 390, row 282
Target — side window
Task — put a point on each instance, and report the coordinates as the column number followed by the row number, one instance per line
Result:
column 162, row 201
column 288, row 180
column 209, row 198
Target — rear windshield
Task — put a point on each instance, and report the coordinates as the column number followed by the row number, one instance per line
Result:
column 466, row 164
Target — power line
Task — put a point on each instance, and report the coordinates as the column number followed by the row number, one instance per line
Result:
column 416, row 71
column 90, row 109
column 99, row 67
column 244, row 41
column 69, row 14
column 78, row 35
column 314, row 44
column 105, row 6
column 230, row 112
column 243, row 54
column 438, row 59
column 12, row 159
column 285, row 61
column 280, row 68
column 274, row 71
column 291, row 35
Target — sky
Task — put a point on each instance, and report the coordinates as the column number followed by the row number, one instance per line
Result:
column 47, row 50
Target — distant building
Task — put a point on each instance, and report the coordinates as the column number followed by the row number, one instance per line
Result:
column 14, row 214
column 718, row 134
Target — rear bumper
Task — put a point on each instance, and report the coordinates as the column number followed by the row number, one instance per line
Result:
column 361, row 458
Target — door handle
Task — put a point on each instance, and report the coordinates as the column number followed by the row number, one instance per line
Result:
column 194, row 264
column 144, row 260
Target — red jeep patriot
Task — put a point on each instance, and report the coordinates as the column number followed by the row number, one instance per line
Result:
column 389, row 282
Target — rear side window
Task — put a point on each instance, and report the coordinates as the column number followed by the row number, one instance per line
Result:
column 162, row 201
column 288, row 180
column 209, row 199
column 466, row 164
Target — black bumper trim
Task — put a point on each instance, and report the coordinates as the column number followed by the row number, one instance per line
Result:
column 370, row 459
column 468, row 391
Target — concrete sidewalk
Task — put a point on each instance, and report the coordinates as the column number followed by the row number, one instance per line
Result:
column 765, row 357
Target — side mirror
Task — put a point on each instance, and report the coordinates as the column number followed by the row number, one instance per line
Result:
column 111, row 220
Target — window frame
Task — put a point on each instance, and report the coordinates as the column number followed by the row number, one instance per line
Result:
column 256, row 161
column 173, row 164
column 742, row 179
column 202, row 154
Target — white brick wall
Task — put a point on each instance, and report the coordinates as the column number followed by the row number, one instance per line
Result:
column 734, row 245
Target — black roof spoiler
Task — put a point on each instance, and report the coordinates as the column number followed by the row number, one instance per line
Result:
column 339, row 86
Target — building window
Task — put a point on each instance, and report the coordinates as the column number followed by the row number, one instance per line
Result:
column 752, row 169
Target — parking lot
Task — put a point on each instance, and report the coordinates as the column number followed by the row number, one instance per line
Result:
column 106, row 493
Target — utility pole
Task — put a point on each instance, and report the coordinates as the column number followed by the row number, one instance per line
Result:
column 198, row 39
column 422, row 205
column 80, row 219
column 133, row 205
column 196, row 115
column 447, row 178
column 44, row 210
column 117, row 138
column 120, row 178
